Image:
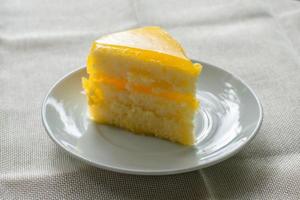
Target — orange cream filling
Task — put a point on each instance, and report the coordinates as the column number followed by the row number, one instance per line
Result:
column 122, row 84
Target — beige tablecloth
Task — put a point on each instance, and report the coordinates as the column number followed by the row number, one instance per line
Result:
column 40, row 41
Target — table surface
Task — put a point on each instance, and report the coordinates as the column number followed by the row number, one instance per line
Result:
column 256, row 40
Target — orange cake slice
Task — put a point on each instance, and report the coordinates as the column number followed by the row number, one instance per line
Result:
column 141, row 80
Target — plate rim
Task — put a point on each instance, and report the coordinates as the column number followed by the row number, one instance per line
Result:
column 227, row 154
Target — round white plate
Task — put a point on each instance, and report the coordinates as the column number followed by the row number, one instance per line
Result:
column 229, row 118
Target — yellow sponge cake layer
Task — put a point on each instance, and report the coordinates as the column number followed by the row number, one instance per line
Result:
column 118, row 61
column 142, row 81
column 161, row 105
column 123, row 84
column 138, row 120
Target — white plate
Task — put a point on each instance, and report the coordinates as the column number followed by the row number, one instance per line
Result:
column 229, row 118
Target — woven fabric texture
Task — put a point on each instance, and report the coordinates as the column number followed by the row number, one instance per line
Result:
column 40, row 41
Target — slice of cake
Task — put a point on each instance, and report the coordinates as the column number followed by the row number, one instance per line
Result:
column 142, row 81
